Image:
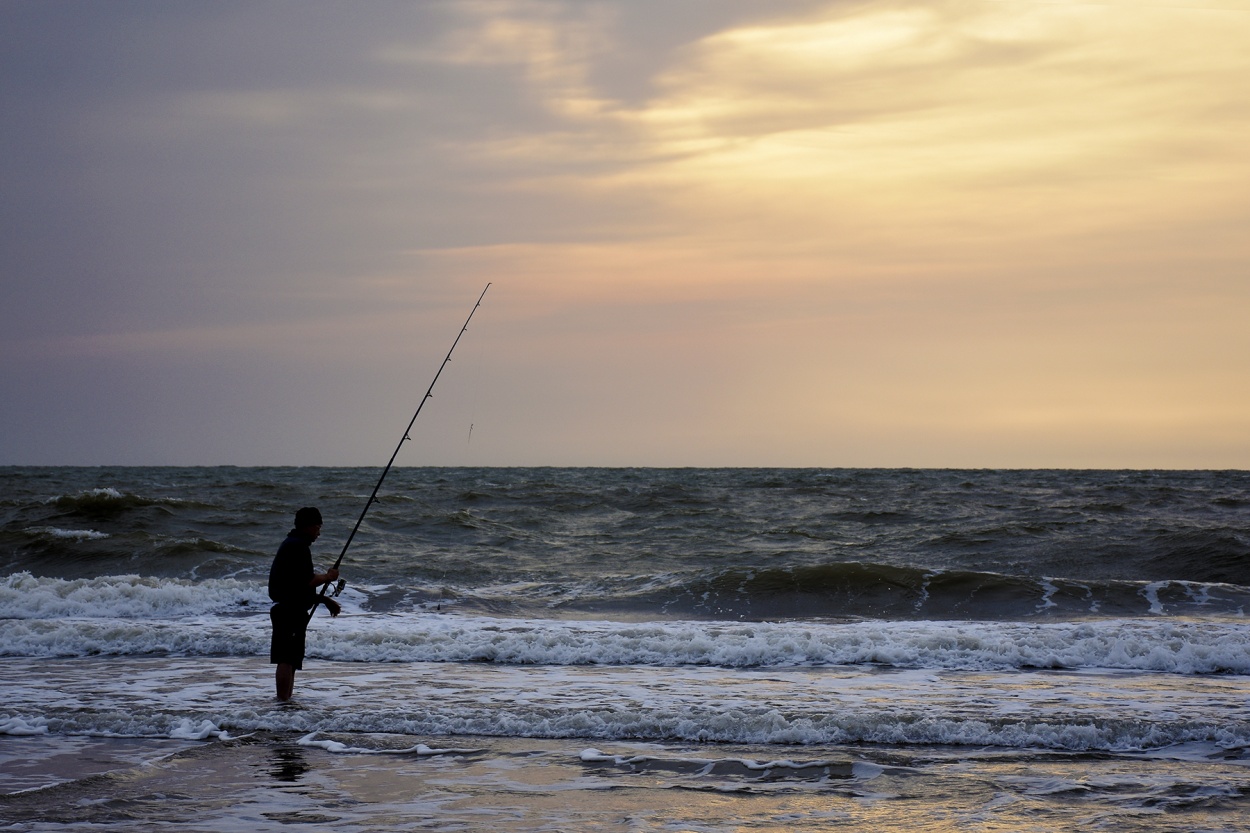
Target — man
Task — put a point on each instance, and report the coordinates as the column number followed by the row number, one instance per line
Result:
column 293, row 587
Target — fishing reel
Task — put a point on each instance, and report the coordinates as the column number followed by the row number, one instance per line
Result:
column 338, row 588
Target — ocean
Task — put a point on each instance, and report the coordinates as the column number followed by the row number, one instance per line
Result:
column 576, row 649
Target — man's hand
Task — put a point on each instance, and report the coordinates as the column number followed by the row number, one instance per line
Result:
column 334, row 607
column 328, row 576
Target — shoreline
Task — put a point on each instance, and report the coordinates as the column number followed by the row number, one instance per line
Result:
column 267, row 781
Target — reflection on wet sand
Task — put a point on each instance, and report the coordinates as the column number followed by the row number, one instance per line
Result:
column 287, row 763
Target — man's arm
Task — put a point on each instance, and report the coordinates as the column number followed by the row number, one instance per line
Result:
column 319, row 579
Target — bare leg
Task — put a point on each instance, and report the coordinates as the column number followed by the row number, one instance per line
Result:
column 284, row 678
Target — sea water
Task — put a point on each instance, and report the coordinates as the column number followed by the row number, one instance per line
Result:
column 632, row 649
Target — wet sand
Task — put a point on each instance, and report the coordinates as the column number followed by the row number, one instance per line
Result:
column 266, row 782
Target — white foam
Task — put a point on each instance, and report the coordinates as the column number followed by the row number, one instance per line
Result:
column 1049, row 589
column 81, row 638
column 419, row 749
column 22, row 726
column 182, row 618
column 1193, row 592
column 1151, row 594
column 188, row 730
column 1148, row 645
column 23, row 596
column 341, row 704
column 71, row 534
column 106, row 492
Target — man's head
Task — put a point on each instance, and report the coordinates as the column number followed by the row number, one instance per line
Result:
column 308, row 520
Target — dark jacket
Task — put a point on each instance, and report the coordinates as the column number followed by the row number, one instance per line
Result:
column 290, row 577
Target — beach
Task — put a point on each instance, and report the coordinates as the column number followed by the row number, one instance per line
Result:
column 215, row 770
column 611, row 650
column 219, row 753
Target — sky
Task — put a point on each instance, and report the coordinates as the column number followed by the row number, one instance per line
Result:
column 955, row 233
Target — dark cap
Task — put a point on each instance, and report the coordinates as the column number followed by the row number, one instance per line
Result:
column 308, row 516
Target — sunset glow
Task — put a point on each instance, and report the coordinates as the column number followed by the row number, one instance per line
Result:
column 1004, row 234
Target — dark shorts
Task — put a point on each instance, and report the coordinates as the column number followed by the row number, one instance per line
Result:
column 289, row 629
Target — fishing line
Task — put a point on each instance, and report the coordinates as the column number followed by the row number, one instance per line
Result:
column 372, row 497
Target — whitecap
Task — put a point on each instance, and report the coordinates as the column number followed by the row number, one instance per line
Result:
column 70, row 534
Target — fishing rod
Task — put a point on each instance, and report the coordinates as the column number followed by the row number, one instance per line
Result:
column 372, row 497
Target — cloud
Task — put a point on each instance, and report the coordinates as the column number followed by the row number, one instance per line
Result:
column 892, row 232
column 859, row 142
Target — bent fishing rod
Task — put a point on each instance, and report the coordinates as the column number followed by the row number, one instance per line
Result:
column 373, row 497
